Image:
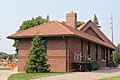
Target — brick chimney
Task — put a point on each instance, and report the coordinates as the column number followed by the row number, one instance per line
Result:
column 71, row 20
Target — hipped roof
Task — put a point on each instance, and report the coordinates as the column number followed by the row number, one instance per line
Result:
column 54, row 29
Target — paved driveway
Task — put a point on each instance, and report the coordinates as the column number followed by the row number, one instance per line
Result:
column 94, row 75
column 4, row 74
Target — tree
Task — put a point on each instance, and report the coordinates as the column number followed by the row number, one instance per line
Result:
column 79, row 23
column 29, row 24
column 16, row 55
column 95, row 20
column 5, row 55
column 117, row 54
column 36, row 57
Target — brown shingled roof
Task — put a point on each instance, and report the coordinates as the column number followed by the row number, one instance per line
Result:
column 55, row 28
column 49, row 29
column 84, row 27
column 89, row 37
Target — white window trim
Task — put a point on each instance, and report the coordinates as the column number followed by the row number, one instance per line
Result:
column 103, row 60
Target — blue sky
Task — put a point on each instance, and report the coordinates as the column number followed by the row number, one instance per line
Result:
column 14, row 12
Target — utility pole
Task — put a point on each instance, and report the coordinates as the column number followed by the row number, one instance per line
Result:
column 111, row 18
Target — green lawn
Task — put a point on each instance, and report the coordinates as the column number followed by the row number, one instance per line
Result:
column 112, row 78
column 4, row 68
column 25, row 76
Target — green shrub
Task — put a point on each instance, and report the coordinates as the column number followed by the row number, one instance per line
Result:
column 36, row 58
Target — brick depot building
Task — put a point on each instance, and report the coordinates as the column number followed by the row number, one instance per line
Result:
column 66, row 43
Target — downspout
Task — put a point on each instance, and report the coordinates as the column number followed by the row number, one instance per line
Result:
column 66, row 53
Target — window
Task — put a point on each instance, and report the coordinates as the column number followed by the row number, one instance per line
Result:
column 111, row 55
column 81, row 53
column 96, row 51
column 88, row 49
column 103, row 53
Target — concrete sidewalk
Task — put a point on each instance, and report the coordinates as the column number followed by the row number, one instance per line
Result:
column 94, row 75
column 4, row 74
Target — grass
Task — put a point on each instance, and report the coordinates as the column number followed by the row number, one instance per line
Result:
column 4, row 68
column 112, row 78
column 25, row 76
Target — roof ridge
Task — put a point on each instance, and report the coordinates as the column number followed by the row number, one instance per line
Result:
column 64, row 26
column 82, row 26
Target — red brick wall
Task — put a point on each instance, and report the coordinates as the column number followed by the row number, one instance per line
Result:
column 56, row 53
column 77, row 45
column 24, row 46
column 109, row 55
column 74, row 47
column 84, row 50
column 101, row 63
column 70, row 52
